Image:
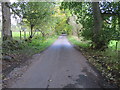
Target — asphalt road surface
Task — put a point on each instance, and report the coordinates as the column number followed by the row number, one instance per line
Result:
column 60, row 66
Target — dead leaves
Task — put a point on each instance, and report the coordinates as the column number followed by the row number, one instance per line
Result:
column 108, row 68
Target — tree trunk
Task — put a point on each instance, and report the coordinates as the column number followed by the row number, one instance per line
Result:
column 6, row 23
column 97, row 24
column 34, row 33
column 11, row 32
column 43, row 34
column 119, row 28
column 31, row 31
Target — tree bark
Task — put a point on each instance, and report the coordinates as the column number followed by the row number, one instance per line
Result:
column 97, row 20
column 31, row 31
column 6, row 23
column 43, row 34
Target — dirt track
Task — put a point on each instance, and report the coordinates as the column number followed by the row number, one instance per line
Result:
column 60, row 66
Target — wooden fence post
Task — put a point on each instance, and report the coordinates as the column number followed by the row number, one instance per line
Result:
column 20, row 35
column 24, row 34
column 116, row 45
column 29, row 34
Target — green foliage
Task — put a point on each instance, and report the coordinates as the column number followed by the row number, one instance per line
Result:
column 63, row 27
column 79, row 42
column 37, row 12
column 36, row 45
column 16, row 35
column 36, row 15
column 40, row 43
column 111, row 23
column 68, row 29
column 87, row 30
column 112, row 45
column 107, row 62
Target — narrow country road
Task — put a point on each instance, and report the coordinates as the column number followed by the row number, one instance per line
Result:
column 60, row 66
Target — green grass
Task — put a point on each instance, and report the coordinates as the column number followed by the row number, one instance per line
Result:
column 79, row 42
column 22, row 51
column 16, row 35
column 107, row 62
column 110, row 52
column 29, row 48
column 86, row 44
column 37, row 44
column 112, row 45
column 40, row 43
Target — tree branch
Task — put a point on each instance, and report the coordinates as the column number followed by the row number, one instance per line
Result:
column 13, row 10
column 109, row 14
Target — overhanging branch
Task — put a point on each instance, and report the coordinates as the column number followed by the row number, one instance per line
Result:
column 13, row 10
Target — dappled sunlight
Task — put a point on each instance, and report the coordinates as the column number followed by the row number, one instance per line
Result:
column 53, row 29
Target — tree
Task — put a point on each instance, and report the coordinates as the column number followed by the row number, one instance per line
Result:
column 6, row 23
column 97, row 22
column 35, row 14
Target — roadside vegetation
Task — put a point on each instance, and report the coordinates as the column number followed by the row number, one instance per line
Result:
column 16, row 35
column 96, row 33
column 31, row 32
column 94, row 27
column 107, row 62
column 16, row 52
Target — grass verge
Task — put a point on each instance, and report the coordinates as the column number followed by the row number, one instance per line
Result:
column 107, row 62
column 18, row 52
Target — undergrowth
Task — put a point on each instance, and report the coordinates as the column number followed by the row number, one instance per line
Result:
column 36, row 45
column 107, row 62
column 17, row 52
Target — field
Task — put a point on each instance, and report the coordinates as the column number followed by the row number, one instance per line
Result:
column 16, row 35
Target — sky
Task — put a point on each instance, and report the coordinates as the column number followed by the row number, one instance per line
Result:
column 13, row 20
